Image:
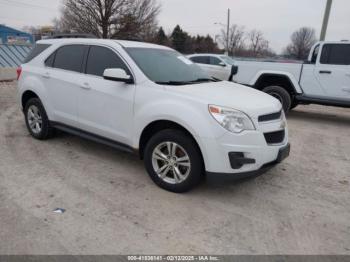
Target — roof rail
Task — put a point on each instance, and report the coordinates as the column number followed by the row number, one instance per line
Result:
column 74, row 35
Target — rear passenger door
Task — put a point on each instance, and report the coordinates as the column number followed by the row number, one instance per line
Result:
column 105, row 106
column 333, row 70
column 62, row 75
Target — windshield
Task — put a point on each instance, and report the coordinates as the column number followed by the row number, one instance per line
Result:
column 164, row 66
column 228, row 59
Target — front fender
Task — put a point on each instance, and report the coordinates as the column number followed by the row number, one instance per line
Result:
column 195, row 118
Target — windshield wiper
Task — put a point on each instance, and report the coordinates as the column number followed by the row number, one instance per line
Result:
column 199, row 80
column 174, row 83
column 180, row 83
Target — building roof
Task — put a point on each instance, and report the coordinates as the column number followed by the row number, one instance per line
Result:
column 6, row 29
column 13, row 36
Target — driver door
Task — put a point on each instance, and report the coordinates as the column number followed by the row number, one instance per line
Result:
column 105, row 107
column 333, row 70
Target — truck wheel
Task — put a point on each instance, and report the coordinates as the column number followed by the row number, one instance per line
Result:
column 281, row 94
column 173, row 161
column 36, row 120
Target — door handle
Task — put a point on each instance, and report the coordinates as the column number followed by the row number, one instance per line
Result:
column 46, row 75
column 85, row 86
column 325, row 72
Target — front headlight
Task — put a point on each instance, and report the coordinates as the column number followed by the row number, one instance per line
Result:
column 233, row 120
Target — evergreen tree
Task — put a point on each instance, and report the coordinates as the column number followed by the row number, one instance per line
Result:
column 161, row 37
column 178, row 39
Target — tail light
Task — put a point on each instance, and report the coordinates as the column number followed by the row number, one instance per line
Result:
column 19, row 72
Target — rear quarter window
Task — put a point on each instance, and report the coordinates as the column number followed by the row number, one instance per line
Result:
column 37, row 50
column 50, row 60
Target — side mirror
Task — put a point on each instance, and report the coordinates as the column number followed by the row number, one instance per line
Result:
column 222, row 64
column 234, row 70
column 117, row 74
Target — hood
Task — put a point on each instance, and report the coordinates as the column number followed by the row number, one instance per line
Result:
column 246, row 99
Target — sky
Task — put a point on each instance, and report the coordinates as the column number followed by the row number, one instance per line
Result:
column 277, row 19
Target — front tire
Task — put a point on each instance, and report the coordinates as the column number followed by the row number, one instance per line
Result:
column 281, row 94
column 36, row 120
column 173, row 161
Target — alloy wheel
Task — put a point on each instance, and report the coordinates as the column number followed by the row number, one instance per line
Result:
column 171, row 162
column 35, row 121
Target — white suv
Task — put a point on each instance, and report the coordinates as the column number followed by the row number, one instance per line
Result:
column 151, row 100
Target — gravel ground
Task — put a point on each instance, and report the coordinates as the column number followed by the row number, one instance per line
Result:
column 300, row 207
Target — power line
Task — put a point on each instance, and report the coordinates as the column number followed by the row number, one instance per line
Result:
column 26, row 4
column 19, row 4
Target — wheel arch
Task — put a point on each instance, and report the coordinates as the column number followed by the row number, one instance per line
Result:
column 282, row 79
column 26, row 96
column 32, row 86
column 159, row 125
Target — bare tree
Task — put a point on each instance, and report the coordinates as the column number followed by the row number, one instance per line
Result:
column 235, row 39
column 258, row 45
column 59, row 26
column 110, row 18
column 140, row 23
column 31, row 29
column 302, row 41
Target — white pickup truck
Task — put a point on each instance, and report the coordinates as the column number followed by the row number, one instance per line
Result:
column 323, row 79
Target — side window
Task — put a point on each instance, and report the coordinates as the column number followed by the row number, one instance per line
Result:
column 215, row 61
column 50, row 60
column 335, row 54
column 101, row 58
column 37, row 50
column 201, row 59
column 70, row 58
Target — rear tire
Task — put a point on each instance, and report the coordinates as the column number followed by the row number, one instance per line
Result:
column 173, row 161
column 281, row 94
column 37, row 121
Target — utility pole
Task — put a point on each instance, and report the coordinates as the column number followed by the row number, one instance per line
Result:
column 228, row 31
column 325, row 20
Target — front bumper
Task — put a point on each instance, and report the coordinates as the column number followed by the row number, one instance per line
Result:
column 250, row 148
column 282, row 155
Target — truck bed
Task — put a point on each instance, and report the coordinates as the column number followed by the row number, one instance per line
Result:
column 249, row 71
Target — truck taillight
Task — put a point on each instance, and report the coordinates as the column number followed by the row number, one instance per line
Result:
column 19, row 72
